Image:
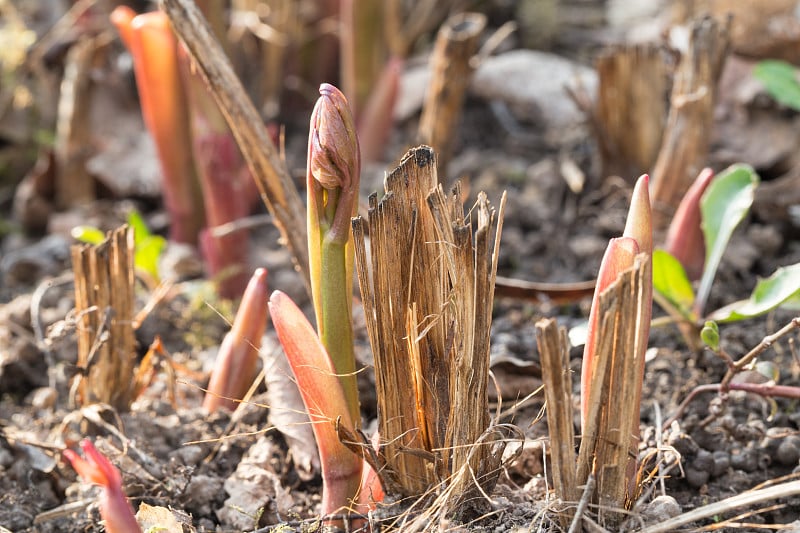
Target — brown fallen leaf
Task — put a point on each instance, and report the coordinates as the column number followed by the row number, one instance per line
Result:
column 287, row 413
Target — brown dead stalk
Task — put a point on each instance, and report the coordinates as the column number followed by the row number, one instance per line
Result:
column 684, row 150
column 554, row 354
column 74, row 185
column 104, row 285
column 427, row 285
column 452, row 69
column 631, row 108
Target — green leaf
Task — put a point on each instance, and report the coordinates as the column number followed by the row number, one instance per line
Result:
column 724, row 204
column 780, row 80
column 148, row 251
column 149, row 245
column 88, row 234
column 710, row 335
column 140, row 229
column 782, row 286
column 671, row 281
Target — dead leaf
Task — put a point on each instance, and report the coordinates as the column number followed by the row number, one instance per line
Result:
column 288, row 413
column 155, row 518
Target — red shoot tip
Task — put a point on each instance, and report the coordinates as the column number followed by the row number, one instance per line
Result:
column 114, row 506
column 96, row 468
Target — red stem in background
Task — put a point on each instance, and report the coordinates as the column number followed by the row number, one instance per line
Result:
column 153, row 46
column 377, row 116
column 229, row 190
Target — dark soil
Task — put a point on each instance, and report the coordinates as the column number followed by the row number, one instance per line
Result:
column 173, row 454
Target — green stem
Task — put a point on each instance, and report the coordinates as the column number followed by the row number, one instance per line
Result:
column 335, row 324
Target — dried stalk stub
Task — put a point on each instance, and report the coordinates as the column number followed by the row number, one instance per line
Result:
column 631, row 106
column 557, row 377
column 74, row 185
column 686, row 138
column 104, row 298
column 452, row 69
column 427, row 289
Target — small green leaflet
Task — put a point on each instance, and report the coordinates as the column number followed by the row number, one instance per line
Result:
column 724, row 204
column 88, row 234
column 782, row 286
column 780, row 80
column 710, row 335
column 149, row 246
column 669, row 279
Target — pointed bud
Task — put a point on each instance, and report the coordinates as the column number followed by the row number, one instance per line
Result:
column 334, row 162
column 639, row 225
column 685, row 240
column 235, row 367
column 334, row 157
column 621, row 255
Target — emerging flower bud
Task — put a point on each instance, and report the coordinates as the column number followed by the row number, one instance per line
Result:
column 332, row 176
column 637, row 237
column 334, row 158
column 639, row 225
column 334, row 166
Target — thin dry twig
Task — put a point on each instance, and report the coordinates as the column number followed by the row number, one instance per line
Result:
column 583, row 504
column 784, row 490
column 762, row 346
column 42, row 343
column 767, row 390
column 555, row 293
